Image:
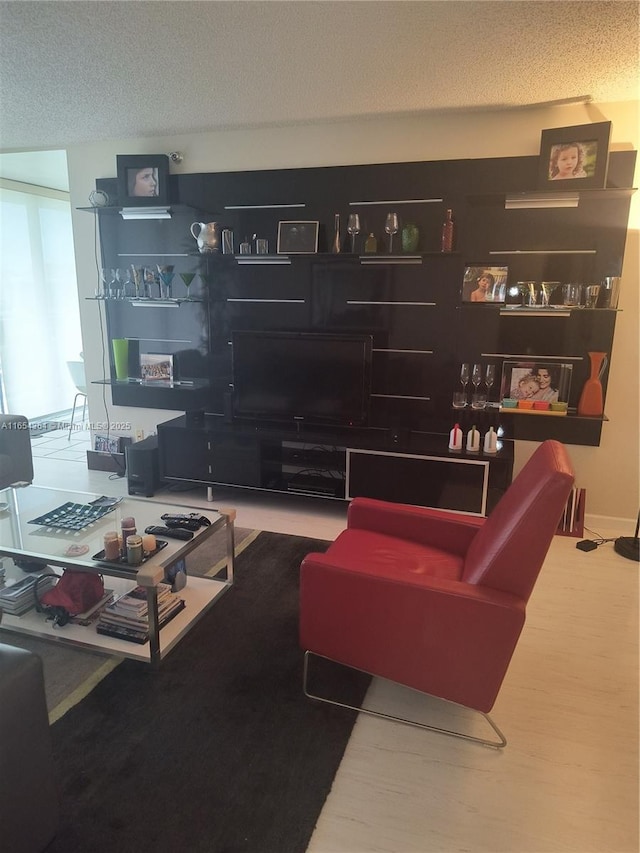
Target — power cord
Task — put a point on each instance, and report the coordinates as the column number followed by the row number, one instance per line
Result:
column 626, row 546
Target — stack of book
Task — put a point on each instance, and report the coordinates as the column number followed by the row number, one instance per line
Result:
column 19, row 597
column 127, row 618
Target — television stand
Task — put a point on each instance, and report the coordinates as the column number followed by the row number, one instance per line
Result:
column 333, row 463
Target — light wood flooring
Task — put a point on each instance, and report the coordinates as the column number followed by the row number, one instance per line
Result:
column 568, row 778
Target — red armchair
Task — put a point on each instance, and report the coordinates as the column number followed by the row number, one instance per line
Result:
column 435, row 600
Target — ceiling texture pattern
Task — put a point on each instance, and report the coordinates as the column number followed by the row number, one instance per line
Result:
column 74, row 72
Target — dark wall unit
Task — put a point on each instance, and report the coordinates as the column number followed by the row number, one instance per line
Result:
column 407, row 303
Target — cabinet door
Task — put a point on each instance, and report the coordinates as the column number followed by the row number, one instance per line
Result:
column 183, row 454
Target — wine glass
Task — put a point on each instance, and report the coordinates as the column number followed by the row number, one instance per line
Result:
column 123, row 277
column 476, row 375
column 391, row 226
column 489, row 377
column 464, row 376
column 187, row 278
column 108, row 279
column 353, row 228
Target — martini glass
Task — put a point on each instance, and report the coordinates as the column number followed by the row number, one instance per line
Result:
column 166, row 274
column 187, row 278
column 108, row 279
column 123, row 277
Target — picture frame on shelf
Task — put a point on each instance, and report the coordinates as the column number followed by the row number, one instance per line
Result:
column 298, row 237
column 143, row 180
column 484, row 283
column 156, row 367
column 106, row 443
column 536, row 381
column 575, row 157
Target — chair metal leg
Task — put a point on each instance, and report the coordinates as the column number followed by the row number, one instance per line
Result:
column 73, row 411
column 494, row 744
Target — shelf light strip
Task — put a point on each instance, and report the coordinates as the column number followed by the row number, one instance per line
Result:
column 543, row 200
column 153, row 254
column 250, row 299
column 398, row 201
column 403, row 351
column 389, row 261
column 367, row 302
column 244, row 261
column 260, row 206
column 531, row 358
column 544, row 252
column 399, row 397
column 154, row 303
column 530, row 312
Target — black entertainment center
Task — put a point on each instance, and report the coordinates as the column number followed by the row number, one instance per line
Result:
column 332, row 374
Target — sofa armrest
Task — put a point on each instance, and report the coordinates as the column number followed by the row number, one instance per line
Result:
column 15, row 447
column 449, row 531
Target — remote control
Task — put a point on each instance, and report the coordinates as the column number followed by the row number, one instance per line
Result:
column 192, row 518
column 182, row 523
column 170, row 532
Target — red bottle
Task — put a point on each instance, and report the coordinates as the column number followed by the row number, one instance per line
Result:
column 448, row 232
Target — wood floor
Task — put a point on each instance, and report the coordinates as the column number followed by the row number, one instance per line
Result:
column 567, row 780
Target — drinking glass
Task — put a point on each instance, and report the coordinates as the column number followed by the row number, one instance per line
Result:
column 464, row 376
column 593, row 291
column 187, row 278
column 547, row 288
column 123, row 277
column 108, row 279
column 459, row 400
column 489, row 378
column 166, row 274
column 391, row 226
column 353, row 228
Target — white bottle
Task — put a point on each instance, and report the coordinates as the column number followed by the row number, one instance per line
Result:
column 455, row 438
column 491, row 441
column 473, row 440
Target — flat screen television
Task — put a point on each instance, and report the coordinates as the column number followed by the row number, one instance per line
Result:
column 318, row 378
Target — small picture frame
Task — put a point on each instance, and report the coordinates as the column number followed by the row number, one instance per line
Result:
column 548, row 381
column 143, row 180
column 106, row 444
column 298, row 238
column 575, row 157
column 485, row 283
column 156, row 367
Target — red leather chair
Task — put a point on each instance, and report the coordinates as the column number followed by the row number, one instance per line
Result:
column 430, row 599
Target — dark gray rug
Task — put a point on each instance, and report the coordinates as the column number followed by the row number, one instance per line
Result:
column 219, row 750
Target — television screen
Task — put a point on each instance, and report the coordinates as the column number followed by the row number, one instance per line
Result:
column 302, row 376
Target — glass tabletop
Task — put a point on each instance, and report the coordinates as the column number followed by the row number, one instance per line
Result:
column 67, row 528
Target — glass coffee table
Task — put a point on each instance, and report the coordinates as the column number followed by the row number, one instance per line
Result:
column 63, row 529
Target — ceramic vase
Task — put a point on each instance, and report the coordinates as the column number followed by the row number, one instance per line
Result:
column 591, row 401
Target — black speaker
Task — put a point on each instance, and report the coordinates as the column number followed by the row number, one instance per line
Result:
column 143, row 474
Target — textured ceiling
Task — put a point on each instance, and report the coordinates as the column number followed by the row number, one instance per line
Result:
column 79, row 71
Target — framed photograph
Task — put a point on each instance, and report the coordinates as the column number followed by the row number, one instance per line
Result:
column 106, row 444
column 575, row 157
column 484, row 283
column 536, row 380
column 298, row 238
column 156, row 367
column 143, row 180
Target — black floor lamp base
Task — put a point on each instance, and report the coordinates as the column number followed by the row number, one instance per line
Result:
column 628, row 546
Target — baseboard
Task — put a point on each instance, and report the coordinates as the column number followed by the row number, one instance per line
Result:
column 610, row 523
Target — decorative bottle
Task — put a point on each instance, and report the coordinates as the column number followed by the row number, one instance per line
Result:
column 455, row 438
column 448, row 232
column 591, row 402
column 335, row 245
column 473, row 440
column 371, row 244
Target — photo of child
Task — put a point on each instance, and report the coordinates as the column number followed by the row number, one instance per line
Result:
column 536, row 381
column 484, row 284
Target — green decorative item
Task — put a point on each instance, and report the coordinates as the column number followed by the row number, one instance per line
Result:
column 121, row 357
column 410, row 237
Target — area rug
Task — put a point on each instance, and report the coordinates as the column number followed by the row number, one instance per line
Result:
column 218, row 750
